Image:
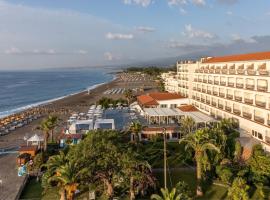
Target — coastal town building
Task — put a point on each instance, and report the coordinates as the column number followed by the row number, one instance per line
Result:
column 170, row 81
column 236, row 86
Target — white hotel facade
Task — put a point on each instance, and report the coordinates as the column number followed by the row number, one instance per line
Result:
column 236, row 86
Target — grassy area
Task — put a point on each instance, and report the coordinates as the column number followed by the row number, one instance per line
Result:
column 32, row 190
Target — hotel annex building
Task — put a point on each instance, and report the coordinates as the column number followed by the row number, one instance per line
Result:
column 236, row 87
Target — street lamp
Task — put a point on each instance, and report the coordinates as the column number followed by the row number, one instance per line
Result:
column 165, row 158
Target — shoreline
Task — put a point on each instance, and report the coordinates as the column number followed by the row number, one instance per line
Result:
column 51, row 101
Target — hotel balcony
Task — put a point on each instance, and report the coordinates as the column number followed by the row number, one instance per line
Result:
column 199, row 80
column 259, row 119
column 209, row 92
column 219, row 117
column 202, row 100
column 212, row 114
column 268, row 122
column 193, row 97
column 231, row 84
column 247, row 115
column 204, row 90
column 263, row 72
column 220, row 106
column 223, row 83
column 260, row 104
column 216, row 82
column 217, row 71
column 222, row 94
column 224, row 71
column 211, row 71
column 186, row 79
column 214, row 103
column 199, row 89
column 229, row 96
column 210, row 81
column 238, row 98
column 194, row 88
column 232, row 71
column 204, row 80
column 195, row 79
column 207, row 101
column 196, row 70
column 240, row 71
column 248, row 101
column 236, row 111
column 198, row 98
column 251, row 72
column 262, row 88
column 239, row 85
column 229, row 109
column 215, row 93
column 250, row 87
column 205, row 70
column 200, row 70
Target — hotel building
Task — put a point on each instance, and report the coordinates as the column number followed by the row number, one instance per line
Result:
column 236, row 87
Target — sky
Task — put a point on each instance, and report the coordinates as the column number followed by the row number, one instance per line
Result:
column 37, row 34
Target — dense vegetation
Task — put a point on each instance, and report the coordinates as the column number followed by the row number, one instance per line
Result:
column 152, row 71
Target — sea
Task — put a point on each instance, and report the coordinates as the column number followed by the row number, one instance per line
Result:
column 20, row 90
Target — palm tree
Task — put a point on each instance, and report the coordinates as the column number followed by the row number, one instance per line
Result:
column 187, row 125
column 128, row 95
column 135, row 128
column 200, row 143
column 52, row 120
column 45, row 127
column 167, row 195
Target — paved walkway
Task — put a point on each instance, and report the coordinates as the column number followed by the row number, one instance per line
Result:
column 11, row 183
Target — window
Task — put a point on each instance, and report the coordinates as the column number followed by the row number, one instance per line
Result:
column 253, row 133
column 267, row 139
column 260, row 136
column 163, row 106
column 173, row 105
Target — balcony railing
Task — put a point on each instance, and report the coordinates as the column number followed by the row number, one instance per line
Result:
column 199, row 89
column 211, row 70
column 250, row 87
column 214, row 103
column 237, row 98
column 217, row 71
column 205, row 71
column 209, row 92
column 208, row 102
column 240, row 71
column 199, row 80
column 220, row 106
column 198, row 98
column 263, row 72
column 239, row 85
column 248, row 101
column 202, row 100
column 231, row 84
column 204, row 80
column 262, row 88
column 224, row 71
column 236, row 111
column 259, row 119
column 247, row 115
column 195, row 79
column 210, row 81
column 232, row 71
column 216, row 82
column 223, row 83
column 215, row 93
column 229, row 96
column 260, row 104
column 203, row 90
column 222, row 94
column 251, row 72
column 229, row 109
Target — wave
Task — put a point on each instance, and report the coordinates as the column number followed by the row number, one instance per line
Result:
column 46, row 102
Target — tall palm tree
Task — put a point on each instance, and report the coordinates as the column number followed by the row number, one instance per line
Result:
column 135, row 128
column 128, row 95
column 167, row 195
column 45, row 127
column 53, row 121
column 187, row 125
column 200, row 143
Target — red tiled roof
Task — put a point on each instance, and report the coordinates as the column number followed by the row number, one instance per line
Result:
column 146, row 100
column 164, row 96
column 240, row 57
column 188, row 108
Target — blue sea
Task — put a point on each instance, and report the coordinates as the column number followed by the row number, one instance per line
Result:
column 20, row 90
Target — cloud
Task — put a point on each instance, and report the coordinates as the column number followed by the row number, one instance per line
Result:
column 230, row 13
column 143, row 3
column 238, row 38
column 119, row 36
column 182, row 11
column 190, row 32
column 145, row 29
column 17, row 51
column 81, row 52
column 13, row 50
column 186, row 2
column 110, row 56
